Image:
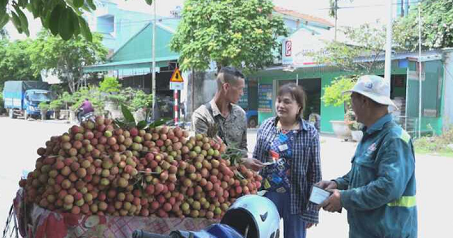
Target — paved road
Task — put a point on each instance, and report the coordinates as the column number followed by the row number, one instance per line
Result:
column 19, row 140
column 434, row 193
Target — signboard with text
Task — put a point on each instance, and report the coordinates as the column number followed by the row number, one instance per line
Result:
column 265, row 97
column 176, row 81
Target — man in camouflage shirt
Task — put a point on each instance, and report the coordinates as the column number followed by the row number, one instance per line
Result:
column 222, row 118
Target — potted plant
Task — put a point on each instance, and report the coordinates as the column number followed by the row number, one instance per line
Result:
column 354, row 126
column 56, row 106
column 110, row 89
column 333, row 95
column 44, row 107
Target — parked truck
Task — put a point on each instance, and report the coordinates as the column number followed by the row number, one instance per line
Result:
column 21, row 98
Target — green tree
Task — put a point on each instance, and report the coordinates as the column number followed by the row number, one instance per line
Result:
column 61, row 17
column 437, row 26
column 356, row 56
column 15, row 63
column 363, row 41
column 228, row 32
column 66, row 58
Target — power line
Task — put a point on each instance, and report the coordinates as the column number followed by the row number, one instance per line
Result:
column 368, row 6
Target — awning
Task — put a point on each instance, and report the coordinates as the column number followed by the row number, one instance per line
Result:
column 129, row 64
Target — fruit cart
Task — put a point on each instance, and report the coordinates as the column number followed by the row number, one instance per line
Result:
column 34, row 221
column 107, row 179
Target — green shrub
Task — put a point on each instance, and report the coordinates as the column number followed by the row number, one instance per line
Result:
column 56, row 105
column 67, row 99
column 109, row 85
column 141, row 100
column 93, row 94
column 43, row 106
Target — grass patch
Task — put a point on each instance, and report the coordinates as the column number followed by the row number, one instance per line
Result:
column 436, row 145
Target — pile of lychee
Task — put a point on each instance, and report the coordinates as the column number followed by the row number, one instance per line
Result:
column 99, row 168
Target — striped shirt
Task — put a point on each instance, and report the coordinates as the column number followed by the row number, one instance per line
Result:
column 305, row 166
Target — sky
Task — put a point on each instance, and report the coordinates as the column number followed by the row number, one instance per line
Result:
column 350, row 13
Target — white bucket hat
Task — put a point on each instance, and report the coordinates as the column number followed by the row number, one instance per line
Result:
column 376, row 88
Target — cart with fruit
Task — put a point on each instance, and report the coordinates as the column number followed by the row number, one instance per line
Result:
column 108, row 178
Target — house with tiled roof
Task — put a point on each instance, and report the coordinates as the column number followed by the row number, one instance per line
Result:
column 301, row 19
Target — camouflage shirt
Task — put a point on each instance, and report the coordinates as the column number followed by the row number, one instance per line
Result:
column 233, row 127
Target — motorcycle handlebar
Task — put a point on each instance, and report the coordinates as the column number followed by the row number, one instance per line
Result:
column 144, row 234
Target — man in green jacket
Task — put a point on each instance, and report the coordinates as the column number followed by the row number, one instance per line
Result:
column 379, row 190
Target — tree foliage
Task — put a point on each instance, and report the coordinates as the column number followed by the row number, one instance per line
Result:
column 15, row 63
column 61, row 17
column 109, row 85
column 228, row 32
column 437, row 26
column 333, row 93
column 66, row 58
column 359, row 53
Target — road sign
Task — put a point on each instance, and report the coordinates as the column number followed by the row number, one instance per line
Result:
column 176, row 86
column 288, row 48
column 176, row 77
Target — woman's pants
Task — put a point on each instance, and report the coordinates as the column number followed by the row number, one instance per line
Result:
column 293, row 225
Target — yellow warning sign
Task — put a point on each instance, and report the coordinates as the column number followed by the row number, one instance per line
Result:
column 176, row 77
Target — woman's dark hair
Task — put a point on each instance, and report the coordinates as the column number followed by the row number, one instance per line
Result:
column 297, row 92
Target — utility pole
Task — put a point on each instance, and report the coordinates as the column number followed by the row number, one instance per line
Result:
column 154, row 62
column 336, row 18
column 388, row 46
column 419, row 71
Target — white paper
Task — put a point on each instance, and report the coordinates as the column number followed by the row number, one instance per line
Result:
column 283, row 147
column 318, row 195
column 268, row 163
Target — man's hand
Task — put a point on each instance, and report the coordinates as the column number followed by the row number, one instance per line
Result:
column 333, row 203
column 252, row 163
column 327, row 184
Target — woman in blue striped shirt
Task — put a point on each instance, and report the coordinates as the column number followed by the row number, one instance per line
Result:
column 289, row 147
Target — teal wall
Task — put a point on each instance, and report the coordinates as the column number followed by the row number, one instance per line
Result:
column 432, row 88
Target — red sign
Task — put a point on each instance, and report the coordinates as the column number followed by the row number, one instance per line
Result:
column 288, row 48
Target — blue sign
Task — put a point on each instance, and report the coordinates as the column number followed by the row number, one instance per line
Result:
column 265, row 97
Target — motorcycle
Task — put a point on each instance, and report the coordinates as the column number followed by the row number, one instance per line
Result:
column 81, row 117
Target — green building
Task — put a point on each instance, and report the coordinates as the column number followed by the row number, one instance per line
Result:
column 404, row 90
